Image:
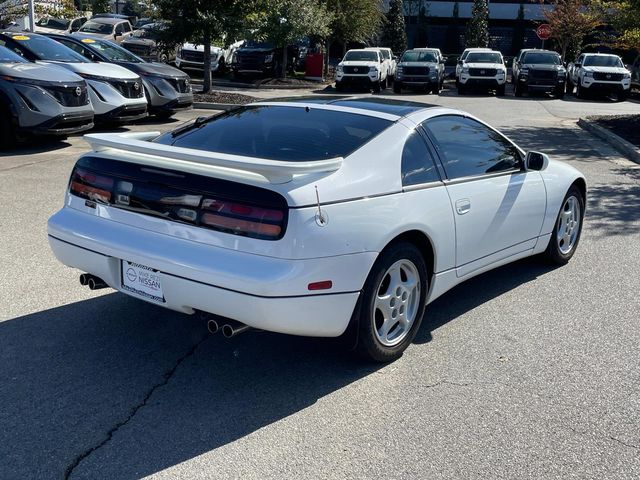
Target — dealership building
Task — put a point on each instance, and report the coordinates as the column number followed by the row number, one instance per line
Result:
column 439, row 28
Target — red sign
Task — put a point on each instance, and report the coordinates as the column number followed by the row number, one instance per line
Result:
column 544, row 31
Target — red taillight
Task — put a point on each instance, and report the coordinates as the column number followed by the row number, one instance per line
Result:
column 324, row 285
column 242, row 219
column 91, row 186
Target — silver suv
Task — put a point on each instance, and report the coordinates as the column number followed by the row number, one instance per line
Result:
column 40, row 99
column 420, row 68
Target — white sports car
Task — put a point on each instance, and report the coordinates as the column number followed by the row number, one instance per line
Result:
column 307, row 217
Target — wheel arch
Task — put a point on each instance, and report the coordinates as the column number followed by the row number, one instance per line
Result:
column 582, row 186
column 422, row 242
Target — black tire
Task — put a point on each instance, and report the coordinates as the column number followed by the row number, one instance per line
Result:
column 622, row 96
column 461, row 90
column 369, row 344
column 569, row 88
column 377, row 86
column 579, row 92
column 397, row 87
column 500, row 90
column 559, row 92
column 339, row 87
column 8, row 138
column 554, row 251
column 435, row 89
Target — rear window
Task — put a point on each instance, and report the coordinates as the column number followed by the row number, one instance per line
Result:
column 279, row 133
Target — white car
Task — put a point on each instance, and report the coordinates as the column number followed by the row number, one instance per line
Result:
column 463, row 57
column 483, row 70
column 599, row 73
column 116, row 93
column 362, row 68
column 313, row 217
column 191, row 57
column 59, row 25
column 389, row 60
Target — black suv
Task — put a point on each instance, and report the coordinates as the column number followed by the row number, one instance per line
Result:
column 262, row 58
column 539, row 70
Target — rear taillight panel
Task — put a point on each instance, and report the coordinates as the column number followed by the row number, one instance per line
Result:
column 216, row 204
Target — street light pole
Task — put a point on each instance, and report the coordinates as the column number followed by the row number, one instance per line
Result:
column 32, row 20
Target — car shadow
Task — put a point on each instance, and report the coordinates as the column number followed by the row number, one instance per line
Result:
column 34, row 146
column 159, row 390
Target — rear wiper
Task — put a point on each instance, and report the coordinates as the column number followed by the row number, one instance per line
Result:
column 197, row 123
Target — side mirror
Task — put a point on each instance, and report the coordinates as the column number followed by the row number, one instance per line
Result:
column 536, row 161
column 459, row 62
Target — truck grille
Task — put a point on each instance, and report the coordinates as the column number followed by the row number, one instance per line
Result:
column 482, row 72
column 352, row 69
column 128, row 88
column 192, row 56
column 543, row 74
column 607, row 77
column 71, row 95
column 416, row 70
column 140, row 50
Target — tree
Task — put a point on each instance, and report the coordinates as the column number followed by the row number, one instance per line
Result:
column 394, row 34
column 452, row 41
column 12, row 10
column 477, row 34
column 284, row 22
column 131, row 9
column 570, row 22
column 353, row 21
column 203, row 21
column 624, row 17
column 100, row 6
column 519, row 31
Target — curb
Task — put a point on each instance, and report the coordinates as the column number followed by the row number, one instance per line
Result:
column 625, row 148
column 235, row 85
column 215, row 106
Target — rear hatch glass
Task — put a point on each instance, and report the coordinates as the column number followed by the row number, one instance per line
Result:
column 279, row 133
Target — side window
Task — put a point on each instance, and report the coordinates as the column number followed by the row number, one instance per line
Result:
column 417, row 163
column 119, row 29
column 127, row 26
column 469, row 148
column 73, row 46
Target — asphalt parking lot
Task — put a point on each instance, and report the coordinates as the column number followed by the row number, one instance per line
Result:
column 528, row 371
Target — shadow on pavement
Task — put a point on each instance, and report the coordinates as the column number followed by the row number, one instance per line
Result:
column 72, row 374
column 34, row 146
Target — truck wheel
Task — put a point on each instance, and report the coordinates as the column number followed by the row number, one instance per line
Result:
column 559, row 92
column 339, row 87
column 461, row 89
column 517, row 90
column 397, row 87
column 500, row 90
column 579, row 91
column 435, row 89
column 622, row 96
column 569, row 88
column 393, row 302
column 377, row 86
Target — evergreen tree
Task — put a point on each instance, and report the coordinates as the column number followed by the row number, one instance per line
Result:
column 518, row 31
column 477, row 34
column 394, row 34
column 452, row 41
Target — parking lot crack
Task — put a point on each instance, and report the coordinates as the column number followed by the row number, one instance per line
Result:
column 166, row 378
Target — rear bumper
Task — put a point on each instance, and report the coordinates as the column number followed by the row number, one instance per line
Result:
column 262, row 292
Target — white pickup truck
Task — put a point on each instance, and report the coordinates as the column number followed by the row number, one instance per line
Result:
column 364, row 68
column 599, row 73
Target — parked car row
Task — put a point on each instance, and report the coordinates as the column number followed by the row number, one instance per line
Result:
column 61, row 84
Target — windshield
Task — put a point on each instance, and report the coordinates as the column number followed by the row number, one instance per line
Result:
column 602, row 61
column 293, row 134
column 7, row 56
column 47, row 49
column 484, row 57
column 95, row 27
column 55, row 23
column 361, row 56
column 542, row 58
column 413, row 56
column 113, row 52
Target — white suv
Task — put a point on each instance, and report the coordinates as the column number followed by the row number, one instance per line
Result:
column 463, row 57
column 599, row 72
column 484, row 70
column 389, row 60
column 363, row 68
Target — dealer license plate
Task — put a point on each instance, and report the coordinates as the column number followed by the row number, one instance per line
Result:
column 142, row 281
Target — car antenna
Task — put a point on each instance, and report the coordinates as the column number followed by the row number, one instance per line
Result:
column 321, row 219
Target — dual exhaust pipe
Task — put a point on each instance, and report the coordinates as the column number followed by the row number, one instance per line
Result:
column 91, row 281
column 230, row 329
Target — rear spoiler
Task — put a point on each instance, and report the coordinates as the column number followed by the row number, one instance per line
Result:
column 198, row 161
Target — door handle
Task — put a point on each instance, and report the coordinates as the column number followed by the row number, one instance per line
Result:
column 463, row 206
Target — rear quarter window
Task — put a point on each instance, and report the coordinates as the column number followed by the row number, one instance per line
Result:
column 280, row 133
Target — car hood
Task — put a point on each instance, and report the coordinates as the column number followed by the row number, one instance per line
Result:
column 606, row 69
column 543, row 66
column 160, row 69
column 139, row 41
column 36, row 71
column 98, row 69
column 48, row 30
column 103, row 36
column 358, row 63
column 418, row 64
column 499, row 66
column 200, row 48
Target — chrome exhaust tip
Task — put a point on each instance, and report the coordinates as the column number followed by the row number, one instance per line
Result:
column 95, row 283
column 232, row 330
column 213, row 326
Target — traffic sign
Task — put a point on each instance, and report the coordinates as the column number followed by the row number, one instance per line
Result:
column 544, row 31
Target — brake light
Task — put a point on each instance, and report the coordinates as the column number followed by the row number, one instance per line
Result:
column 91, row 186
column 242, row 219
